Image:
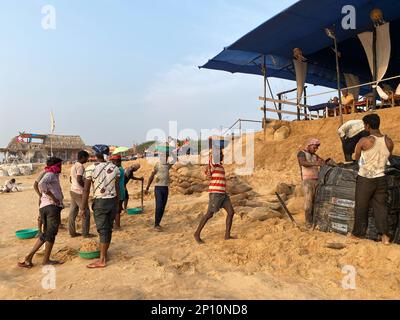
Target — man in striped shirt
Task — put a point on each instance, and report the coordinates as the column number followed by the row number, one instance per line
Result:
column 218, row 198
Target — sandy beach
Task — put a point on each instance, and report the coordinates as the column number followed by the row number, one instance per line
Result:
column 271, row 259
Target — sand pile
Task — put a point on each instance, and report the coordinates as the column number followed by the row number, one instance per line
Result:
column 89, row 246
column 66, row 253
column 271, row 259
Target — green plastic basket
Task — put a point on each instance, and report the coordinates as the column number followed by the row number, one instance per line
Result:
column 27, row 233
column 89, row 255
column 134, row 211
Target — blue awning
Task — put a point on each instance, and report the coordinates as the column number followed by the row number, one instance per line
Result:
column 303, row 25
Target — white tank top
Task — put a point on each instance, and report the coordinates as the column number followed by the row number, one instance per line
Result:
column 373, row 161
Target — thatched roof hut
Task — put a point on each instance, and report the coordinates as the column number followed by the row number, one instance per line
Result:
column 36, row 148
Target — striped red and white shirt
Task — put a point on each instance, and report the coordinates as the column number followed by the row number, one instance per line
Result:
column 218, row 181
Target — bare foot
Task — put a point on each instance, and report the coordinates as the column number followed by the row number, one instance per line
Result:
column 96, row 265
column 198, row 239
column 230, row 237
column 350, row 236
column 90, row 235
column 52, row 263
column 158, row 228
column 385, row 240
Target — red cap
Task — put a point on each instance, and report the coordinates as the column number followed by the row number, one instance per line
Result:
column 115, row 157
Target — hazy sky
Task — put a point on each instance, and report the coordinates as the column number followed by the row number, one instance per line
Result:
column 112, row 70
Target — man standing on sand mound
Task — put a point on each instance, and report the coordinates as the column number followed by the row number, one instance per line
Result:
column 218, row 198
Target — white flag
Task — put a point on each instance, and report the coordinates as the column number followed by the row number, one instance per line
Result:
column 52, row 123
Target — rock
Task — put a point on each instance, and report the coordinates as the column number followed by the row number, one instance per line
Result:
column 284, row 188
column 281, row 134
column 295, row 205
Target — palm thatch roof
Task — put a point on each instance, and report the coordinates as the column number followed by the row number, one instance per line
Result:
column 61, row 142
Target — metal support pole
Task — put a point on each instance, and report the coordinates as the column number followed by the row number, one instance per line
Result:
column 280, row 103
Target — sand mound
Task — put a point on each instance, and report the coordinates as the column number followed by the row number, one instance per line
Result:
column 66, row 254
column 89, row 246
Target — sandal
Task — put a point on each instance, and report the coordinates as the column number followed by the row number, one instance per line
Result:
column 25, row 265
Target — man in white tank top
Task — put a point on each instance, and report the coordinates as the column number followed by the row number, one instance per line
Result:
column 372, row 152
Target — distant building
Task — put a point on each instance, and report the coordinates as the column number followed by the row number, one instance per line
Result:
column 36, row 148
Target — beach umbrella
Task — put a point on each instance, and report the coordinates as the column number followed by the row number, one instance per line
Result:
column 120, row 150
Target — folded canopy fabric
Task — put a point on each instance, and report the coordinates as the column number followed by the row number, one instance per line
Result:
column 303, row 26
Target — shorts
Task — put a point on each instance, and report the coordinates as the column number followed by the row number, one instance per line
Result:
column 51, row 219
column 217, row 201
column 104, row 212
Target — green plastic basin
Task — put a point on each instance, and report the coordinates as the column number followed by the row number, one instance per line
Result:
column 89, row 255
column 27, row 233
column 134, row 211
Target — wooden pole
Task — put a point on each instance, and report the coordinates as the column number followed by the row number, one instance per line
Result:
column 305, row 102
column 338, row 79
column 264, row 70
column 142, row 195
column 375, row 71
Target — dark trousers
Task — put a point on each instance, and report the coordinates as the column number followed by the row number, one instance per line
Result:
column 104, row 211
column 161, row 194
column 349, row 145
column 370, row 193
column 51, row 219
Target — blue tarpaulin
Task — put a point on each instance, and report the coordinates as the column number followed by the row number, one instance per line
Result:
column 303, row 25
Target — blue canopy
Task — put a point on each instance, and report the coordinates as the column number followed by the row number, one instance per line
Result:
column 303, row 25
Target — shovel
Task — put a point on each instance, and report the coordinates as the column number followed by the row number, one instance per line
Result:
column 138, row 210
column 142, row 196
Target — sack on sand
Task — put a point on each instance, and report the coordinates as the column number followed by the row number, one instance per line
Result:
column 281, row 134
column 198, row 188
column 284, row 188
column 185, row 184
column 14, row 171
column 236, row 186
